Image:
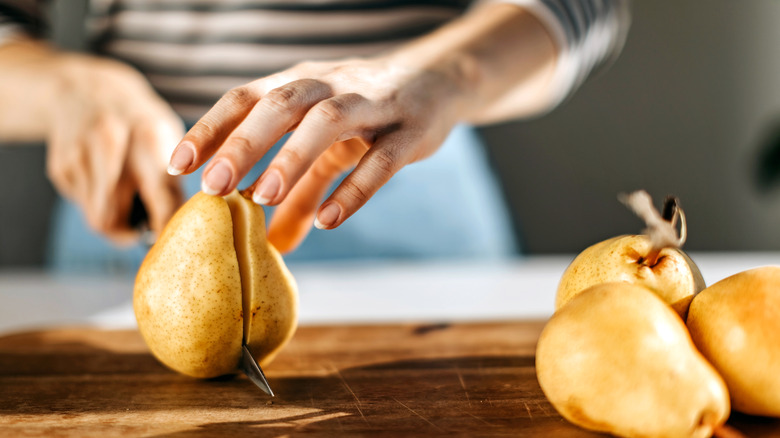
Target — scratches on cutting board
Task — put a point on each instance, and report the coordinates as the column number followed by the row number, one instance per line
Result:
column 542, row 408
column 417, row 414
column 463, row 384
column 478, row 418
column 344, row 383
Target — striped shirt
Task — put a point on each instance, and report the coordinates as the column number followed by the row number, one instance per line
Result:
column 193, row 51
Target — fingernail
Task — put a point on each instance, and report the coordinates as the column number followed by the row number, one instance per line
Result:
column 268, row 188
column 327, row 216
column 217, row 180
column 181, row 159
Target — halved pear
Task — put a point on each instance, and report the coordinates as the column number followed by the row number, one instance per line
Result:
column 211, row 282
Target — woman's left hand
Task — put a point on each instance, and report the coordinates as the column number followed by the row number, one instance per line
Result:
column 374, row 115
column 371, row 115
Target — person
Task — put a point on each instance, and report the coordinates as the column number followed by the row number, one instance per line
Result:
column 318, row 105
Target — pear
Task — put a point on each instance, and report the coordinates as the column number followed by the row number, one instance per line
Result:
column 653, row 260
column 672, row 275
column 211, row 282
column 617, row 359
column 736, row 325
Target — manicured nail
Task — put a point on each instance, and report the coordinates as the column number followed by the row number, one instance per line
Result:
column 268, row 188
column 328, row 216
column 181, row 158
column 218, row 179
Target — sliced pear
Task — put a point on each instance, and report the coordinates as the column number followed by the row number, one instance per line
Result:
column 211, row 282
column 270, row 298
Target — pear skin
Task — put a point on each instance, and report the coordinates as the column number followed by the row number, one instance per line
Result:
column 211, row 282
column 187, row 295
column 736, row 325
column 674, row 277
column 617, row 359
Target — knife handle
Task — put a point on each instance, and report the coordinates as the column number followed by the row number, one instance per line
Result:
column 139, row 220
column 139, row 217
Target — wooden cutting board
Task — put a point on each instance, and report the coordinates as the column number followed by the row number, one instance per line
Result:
column 389, row 380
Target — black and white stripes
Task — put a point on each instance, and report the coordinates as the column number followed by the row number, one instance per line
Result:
column 194, row 50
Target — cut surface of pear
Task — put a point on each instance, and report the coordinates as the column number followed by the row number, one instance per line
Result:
column 211, row 282
column 617, row 359
column 736, row 325
column 269, row 290
column 674, row 276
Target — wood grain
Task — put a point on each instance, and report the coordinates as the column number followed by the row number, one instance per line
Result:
column 400, row 380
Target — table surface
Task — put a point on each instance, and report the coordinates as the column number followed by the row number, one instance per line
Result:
column 469, row 379
column 449, row 351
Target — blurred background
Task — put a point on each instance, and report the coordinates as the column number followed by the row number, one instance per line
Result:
column 691, row 108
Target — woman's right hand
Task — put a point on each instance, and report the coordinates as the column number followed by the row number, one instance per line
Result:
column 109, row 138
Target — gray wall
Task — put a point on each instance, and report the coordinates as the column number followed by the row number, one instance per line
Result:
column 688, row 109
column 26, row 201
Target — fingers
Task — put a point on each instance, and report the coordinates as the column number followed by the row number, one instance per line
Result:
column 326, row 123
column 103, row 167
column 107, row 143
column 239, row 137
column 64, row 172
column 205, row 137
column 86, row 164
column 66, row 163
column 272, row 117
column 293, row 218
column 117, row 210
column 376, row 167
column 211, row 131
column 161, row 199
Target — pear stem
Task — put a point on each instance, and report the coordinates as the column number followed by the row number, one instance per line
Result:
column 669, row 212
column 652, row 257
column 661, row 229
column 672, row 212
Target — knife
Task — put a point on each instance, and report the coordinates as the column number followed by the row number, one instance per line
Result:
column 252, row 369
column 139, row 220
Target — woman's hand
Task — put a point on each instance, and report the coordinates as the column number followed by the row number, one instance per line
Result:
column 373, row 115
column 107, row 131
column 370, row 115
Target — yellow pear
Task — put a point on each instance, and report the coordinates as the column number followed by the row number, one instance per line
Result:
column 652, row 260
column 211, row 282
column 672, row 275
column 617, row 359
column 736, row 325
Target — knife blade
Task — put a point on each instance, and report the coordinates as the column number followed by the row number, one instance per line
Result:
column 252, row 369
